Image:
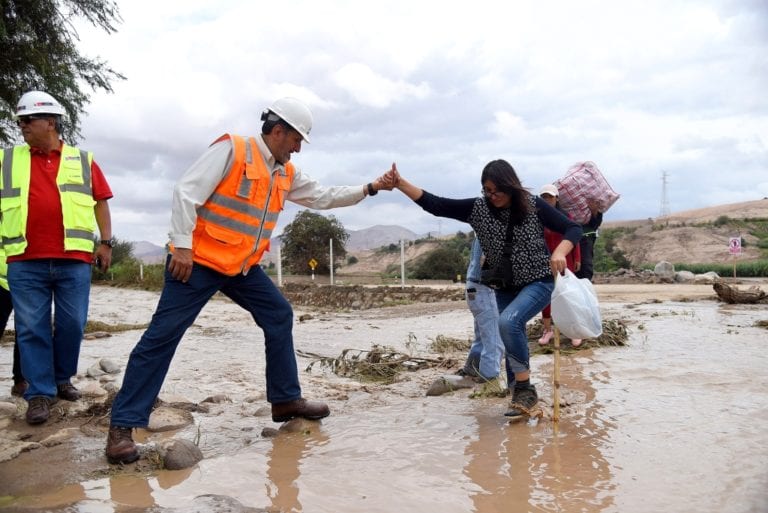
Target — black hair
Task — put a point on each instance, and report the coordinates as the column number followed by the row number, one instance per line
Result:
column 271, row 119
column 503, row 176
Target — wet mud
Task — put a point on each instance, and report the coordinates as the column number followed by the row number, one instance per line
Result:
column 673, row 421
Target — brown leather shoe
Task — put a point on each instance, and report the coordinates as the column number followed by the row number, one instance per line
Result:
column 299, row 408
column 19, row 388
column 38, row 410
column 67, row 391
column 120, row 445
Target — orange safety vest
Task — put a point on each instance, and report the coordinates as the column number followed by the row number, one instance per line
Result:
column 235, row 223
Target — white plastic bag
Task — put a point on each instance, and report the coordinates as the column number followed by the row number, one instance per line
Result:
column 575, row 310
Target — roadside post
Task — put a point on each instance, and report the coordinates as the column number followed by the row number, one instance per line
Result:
column 734, row 247
column 312, row 264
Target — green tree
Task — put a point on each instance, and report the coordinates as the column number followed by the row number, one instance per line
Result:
column 444, row 263
column 38, row 44
column 307, row 237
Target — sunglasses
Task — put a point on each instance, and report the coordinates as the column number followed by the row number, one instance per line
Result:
column 25, row 120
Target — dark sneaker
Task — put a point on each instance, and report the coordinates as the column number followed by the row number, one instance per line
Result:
column 466, row 373
column 68, row 392
column 120, row 446
column 523, row 401
column 38, row 410
column 19, row 388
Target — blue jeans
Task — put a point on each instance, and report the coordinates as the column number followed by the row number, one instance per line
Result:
column 487, row 348
column 179, row 305
column 49, row 352
column 516, row 308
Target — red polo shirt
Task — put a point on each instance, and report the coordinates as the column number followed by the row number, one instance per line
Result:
column 45, row 222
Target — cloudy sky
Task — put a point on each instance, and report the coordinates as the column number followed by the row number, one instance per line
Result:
column 640, row 88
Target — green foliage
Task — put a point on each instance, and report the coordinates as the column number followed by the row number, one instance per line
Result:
column 352, row 260
column 722, row 220
column 757, row 269
column 443, row 263
column 38, row 47
column 607, row 255
column 126, row 270
column 308, row 237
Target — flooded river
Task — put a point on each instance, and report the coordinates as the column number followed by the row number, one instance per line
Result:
column 675, row 422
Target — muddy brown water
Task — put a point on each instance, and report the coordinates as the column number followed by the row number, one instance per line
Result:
column 673, row 422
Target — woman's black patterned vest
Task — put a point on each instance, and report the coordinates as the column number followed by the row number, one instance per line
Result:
column 526, row 249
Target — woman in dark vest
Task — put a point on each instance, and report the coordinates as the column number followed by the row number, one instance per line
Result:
column 509, row 223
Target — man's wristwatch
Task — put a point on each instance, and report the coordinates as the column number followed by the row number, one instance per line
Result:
column 108, row 242
column 371, row 190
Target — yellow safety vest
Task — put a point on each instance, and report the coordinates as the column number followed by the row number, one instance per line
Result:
column 3, row 270
column 75, row 190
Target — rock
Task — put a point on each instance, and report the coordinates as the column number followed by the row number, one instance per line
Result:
column 449, row 383
column 709, row 277
column 664, row 270
column 684, row 276
column 92, row 390
column 8, row 409
column 95, row 371
column 269, row 432
column 253, row 398
column 217, row 399
column 299, row 425
column 180, row 454
column 168, row 419
column 96, row 334
column 109, row 366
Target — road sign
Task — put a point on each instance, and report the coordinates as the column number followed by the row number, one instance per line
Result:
column 312, row 263
column 734, row 245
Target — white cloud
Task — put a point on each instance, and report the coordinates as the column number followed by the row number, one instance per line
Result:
column 441, row 88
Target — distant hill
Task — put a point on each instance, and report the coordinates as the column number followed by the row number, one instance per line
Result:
column 148, row 253
column 377, row 236
column 694, row 236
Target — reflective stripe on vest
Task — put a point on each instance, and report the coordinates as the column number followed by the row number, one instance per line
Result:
column 75, row 191
column 236, row 222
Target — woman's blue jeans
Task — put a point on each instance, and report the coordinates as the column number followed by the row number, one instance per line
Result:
column 516, row 308
column 487, row 349
column 179, row 305
column 49, row 351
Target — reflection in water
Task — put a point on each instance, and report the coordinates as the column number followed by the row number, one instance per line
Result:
column 545, row 467
column 283, row 466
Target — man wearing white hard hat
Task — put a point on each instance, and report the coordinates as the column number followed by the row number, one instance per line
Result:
column 53, row 199
column 225, row 208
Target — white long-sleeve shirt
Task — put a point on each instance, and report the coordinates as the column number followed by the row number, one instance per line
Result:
column 201, row 179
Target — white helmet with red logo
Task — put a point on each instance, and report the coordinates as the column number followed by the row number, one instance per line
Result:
column 38, row 102
column 295, row 113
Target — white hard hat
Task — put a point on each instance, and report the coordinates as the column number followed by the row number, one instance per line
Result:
column 38, row 102
column 295, row 113
column 549, row 189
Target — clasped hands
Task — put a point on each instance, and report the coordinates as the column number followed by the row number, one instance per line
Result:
column 388, row 181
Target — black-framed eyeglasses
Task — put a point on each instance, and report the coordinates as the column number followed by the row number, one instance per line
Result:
column 490, row 194
column 25, row 120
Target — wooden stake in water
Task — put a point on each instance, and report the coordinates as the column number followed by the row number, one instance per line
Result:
column 556, row 380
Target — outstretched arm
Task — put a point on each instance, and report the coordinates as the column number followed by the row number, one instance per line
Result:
column 405, row 186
